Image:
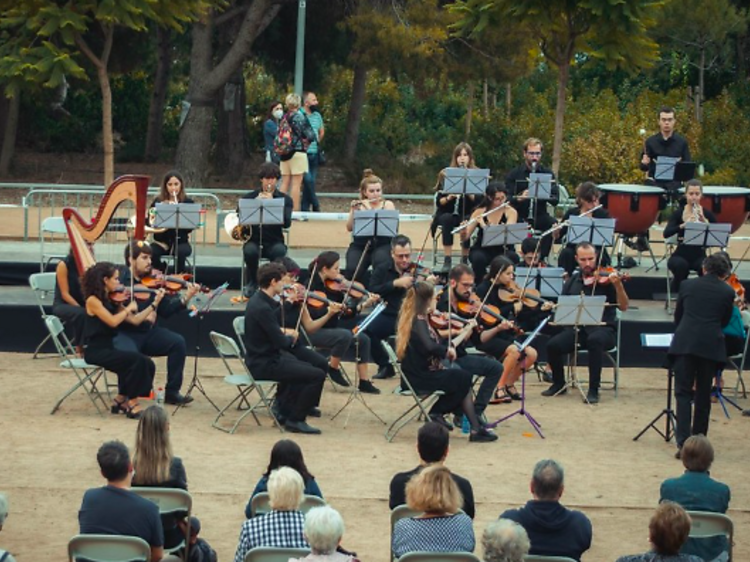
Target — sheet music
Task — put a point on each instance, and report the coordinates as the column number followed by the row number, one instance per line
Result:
column 656, row 340
column 664, row 168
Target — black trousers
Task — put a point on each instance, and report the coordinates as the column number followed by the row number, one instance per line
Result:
column 594, row 340
column 543, row 222
column 184, row 250
column 374, row 257
column 74, row 318
column 691, row 370
column 340, row 340
column 489, row 369
column 158, row 342
column 455, row 382
column 379, row 330
column 681, row 267
column 252, row 253
column 135, row 371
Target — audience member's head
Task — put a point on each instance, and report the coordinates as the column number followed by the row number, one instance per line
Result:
column 433, row 490
column 505, row 541
column 547, row 482
column 285, row 489
column 324, row 528
column 3, row 509
column 697, row 453
column 114, row 461
column 152, row 458
column 432, row 442
column 287, row 453
column 669, row 528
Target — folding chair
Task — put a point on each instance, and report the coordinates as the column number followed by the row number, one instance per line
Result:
column 84, row 372
column 50, row 225
column 261, row 503
column 439, row 557
column 43, row 285
column 422, row 402
column 244, row 382
column 172, row 502
column 612, row 355
column 108, row 548
column 272, row 554
column 239, row 330
column 737, row 362
column 399, row 512
column 403, row 511
column 539, row 558
column 327, row 353
column 706, row 524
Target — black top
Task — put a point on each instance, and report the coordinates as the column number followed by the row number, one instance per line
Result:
column 177, row 477
column 264, row 339
column 169, row 305
column 168, row 236
column 703, row 308
column 575, row 212
column 74, row 283
column 318, row 285
column 521, row 174
column 398, row 490
column 575, row 286
column 480, row 234
column 656, row 145
column 272, row 234
column 689, row 252
column 424, row 353
column 464, row 207
column 381, row 283
column 115, row 511
column 95, row 330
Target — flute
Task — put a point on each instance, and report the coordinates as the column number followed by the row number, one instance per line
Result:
column 475, row 219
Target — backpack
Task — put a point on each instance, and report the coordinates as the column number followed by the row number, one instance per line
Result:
column 283, row 144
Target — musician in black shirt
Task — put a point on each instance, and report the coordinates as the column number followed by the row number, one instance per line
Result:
column 587, row 197
column 664, row 143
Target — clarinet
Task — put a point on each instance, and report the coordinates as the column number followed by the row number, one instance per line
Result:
column 457, row 204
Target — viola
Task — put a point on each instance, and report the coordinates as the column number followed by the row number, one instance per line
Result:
column 355, row 289
column 444, row 321
column 122, row 294
column 488, row 315
column 514, row 293
column 601, row 276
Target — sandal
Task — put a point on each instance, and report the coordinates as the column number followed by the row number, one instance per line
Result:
column 118, row 406
column 130, row 410
column 512, row 392
column 501, row 396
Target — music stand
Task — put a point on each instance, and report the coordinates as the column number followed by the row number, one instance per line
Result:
column 707, row 235
column 577, row 311
column 374, row 224
column 522, row 408
column 505, row 234
column 661, row 341
column 671, row 169
column 465, row 181
column 200, row 312
column 180, row 216
column 260, row 212
column 547, row 280
column 597, row 232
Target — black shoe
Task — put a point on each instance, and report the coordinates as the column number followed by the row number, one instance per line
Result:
column 337, row 376
column 746, row 413
column 481, row 418
column 547, row 377
column 281, row 418
column 555, row 390
column 482, row 435
column 178, row 399
column 678, row 454
column 385, row 373
column 447, row 264
column 249, row 290
column 301, row 427
column 367, row 387
column 442, row 421
column 465, row 260
column 314, row 412
column 592, row 396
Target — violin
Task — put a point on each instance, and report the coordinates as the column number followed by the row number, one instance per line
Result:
column 298, row 292
column 443, row 321
column 488, row 316
column 122, row 294
column 355, row 289
column 172, row 283
column 601, row 276
column 739, row 289
column 514, row 293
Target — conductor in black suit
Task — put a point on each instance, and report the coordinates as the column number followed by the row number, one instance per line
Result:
column 698, row 350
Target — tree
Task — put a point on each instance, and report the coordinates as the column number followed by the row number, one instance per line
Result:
column 612, row 30
column 51, row 36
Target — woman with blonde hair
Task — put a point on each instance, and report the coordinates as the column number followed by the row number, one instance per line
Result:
column 442, row 526
column 422, row 357
column 294, row 166
column 379, row 251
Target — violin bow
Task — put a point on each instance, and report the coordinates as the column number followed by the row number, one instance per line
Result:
column 304, row 298
column 354, row 275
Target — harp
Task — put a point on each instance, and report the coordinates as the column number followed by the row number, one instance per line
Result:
column 83, row 234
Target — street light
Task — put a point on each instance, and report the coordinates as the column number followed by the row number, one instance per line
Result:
column 299, row 64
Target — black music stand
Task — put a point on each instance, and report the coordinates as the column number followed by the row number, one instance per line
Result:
column 547, row 280
column 375, row 224
column 259, row 212
column 541, row 187
column 199, row 313
column 671, row 169
column 465, row 181
column 505, row 234
column 597, row 232
column 180, row 216
column 707, row 235
column 661, row 341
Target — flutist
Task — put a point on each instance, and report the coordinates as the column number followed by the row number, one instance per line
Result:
column 687, row 257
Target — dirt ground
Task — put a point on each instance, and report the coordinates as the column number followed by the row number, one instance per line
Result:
column 47, row 462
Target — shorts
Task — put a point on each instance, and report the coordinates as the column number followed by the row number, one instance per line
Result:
column 295, row 166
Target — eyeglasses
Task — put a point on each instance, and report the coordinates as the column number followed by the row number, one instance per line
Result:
column 535, row 153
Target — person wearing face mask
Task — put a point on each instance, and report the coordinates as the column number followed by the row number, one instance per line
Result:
column 270, row 128
column 309, row 197
column 171, row 241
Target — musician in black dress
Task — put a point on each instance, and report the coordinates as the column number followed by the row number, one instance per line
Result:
column 698, row 348
column 664, row 143
column 587, row 197
column 687, row 257
column 68, row 302
column 135, row 371
column 171, row 241
column 422, row 357
column 452, row 208
column 492, row 207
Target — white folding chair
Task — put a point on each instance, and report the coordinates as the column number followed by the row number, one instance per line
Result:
column 85, row 373
column 244, row 382
column 50, row 225
column 439, row 557
column 261, row 503
column 174, row 502
column 422, row 402
column 43, row 285
column 705, row 524
column 273, row 554
column 612, row 355
column 239, row 330
column 108, row 548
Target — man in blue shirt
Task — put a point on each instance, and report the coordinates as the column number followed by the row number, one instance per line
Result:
column 310, row 108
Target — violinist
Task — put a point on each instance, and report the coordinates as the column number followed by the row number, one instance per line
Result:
column 595, row 339
column 135, row 371
column 359, row 254
column 68, row 302
column 529, row 256
column 148, row 337
column 686, row 258
column 451, row 208
column 734, row 332
column 423, row 359
column 171, row 241
column 330, row 333
column 261, row 240
column 481, row 256
column 587, row 198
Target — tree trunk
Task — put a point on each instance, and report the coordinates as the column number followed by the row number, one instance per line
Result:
column 154, row 134
column 508, row 98
column 108, row 145
column 562, row 88
column 359, row 92
column 486, row 97
column 9, row 135
column 701, row 84
column 471, row 88
column 229, row 156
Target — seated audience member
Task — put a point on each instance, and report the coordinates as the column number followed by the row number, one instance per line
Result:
column 505, row 541
column 553, row 529
column 442, row 527
column 697, row 491
column 432, row 446
column 282, row 527
column 5, row 556
column 200, row 550
column 667, row 532
column 156, row 466
column 115, row 510
column 324, row 528
column 285, row 453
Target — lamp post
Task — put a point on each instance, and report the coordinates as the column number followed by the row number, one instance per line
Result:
column 299, row 63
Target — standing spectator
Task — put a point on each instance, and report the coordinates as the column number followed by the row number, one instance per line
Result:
column 5, row 556
column 505, row 541
column 294, row 165
column 270, row 128
column 309, row 197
